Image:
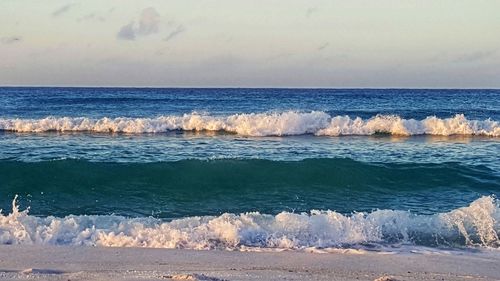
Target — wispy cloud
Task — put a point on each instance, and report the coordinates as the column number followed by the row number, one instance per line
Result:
column 149, row 22
column 282, row 56
column 92, row 17
column 63, row 9
column 311, row 11
column 99, row 16
column 323, row 46
column 475, row 56
column 10, row 40
column 174, row 33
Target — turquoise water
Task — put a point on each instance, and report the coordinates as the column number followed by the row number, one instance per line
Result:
column 265, row 168
column 212, row 187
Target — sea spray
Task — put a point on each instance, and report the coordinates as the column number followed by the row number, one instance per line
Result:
column 262, row 124
column 476, row 225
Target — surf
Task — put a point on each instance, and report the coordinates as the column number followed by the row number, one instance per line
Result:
column 475, row 225
column 286, row 123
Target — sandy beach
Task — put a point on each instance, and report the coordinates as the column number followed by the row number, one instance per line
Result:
column 102, row 263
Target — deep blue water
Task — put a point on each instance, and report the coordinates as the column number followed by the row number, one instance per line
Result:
column 145, row 102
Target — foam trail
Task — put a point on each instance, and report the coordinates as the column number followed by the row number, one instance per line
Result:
column 262, row 124
column 475, row 225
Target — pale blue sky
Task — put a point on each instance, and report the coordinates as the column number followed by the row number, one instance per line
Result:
column 259, row 43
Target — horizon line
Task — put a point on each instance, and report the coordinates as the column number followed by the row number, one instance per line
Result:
column 247, row 87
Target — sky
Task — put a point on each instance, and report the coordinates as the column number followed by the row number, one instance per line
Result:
column 251, row 43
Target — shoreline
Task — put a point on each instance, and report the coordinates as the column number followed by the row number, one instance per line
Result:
column 20, row 262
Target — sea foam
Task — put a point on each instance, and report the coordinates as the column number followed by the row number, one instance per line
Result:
column 263, row 124
column 475, row 225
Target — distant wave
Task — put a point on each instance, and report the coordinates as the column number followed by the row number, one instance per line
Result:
column 263, row 124
column 475, row 225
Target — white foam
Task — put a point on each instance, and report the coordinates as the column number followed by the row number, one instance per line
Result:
column 475, row 225
column 262, row 124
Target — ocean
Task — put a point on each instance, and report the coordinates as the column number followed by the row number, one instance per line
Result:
column 250, row 169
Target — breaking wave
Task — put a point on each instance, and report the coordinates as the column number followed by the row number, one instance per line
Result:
column 263, row 124
column 475, row 225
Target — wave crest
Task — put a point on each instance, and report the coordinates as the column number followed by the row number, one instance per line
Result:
column 263, row 124
column 475, row 225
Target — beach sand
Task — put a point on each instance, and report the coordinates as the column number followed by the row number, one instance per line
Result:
column 101, row 263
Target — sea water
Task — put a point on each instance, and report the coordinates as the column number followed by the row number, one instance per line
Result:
column 247, row 169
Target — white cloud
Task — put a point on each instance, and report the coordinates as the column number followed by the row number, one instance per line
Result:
column 127, row 32
column 149, row 22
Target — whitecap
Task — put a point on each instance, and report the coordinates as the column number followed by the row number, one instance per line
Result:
column 477, row 225
column 262, row 124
